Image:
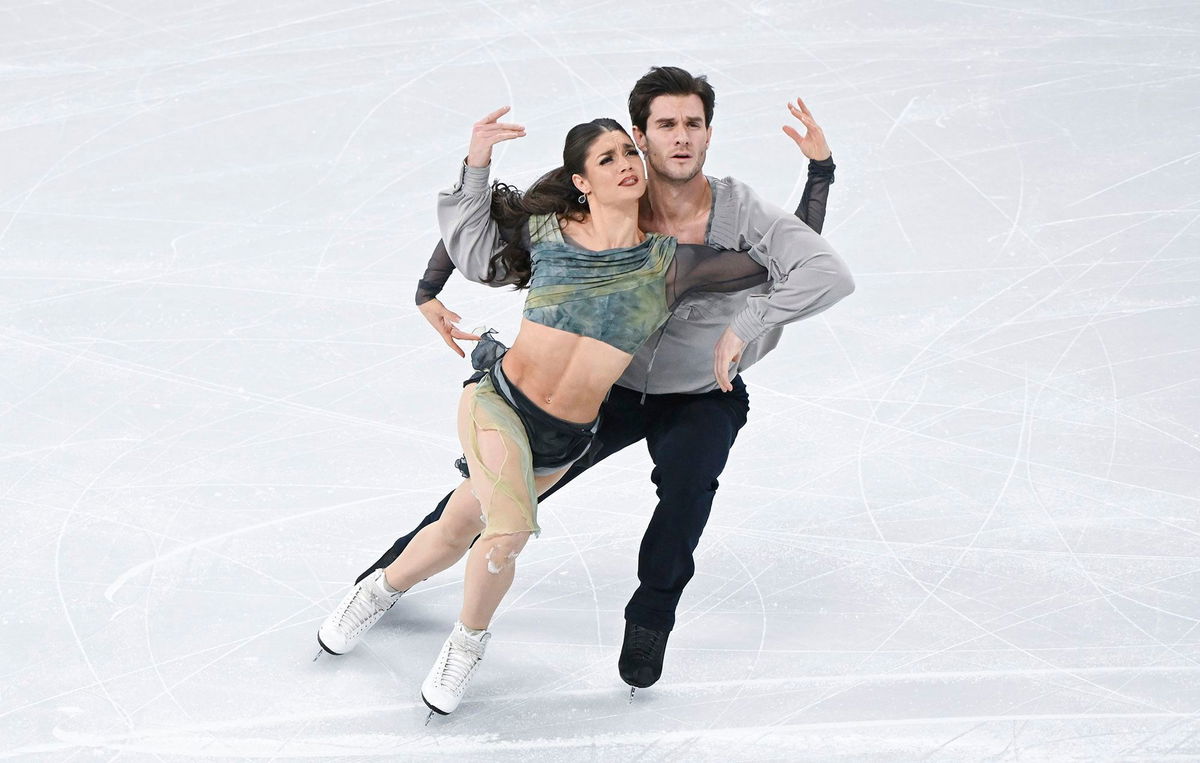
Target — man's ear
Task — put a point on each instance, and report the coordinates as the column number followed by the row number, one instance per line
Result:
column 639, row 139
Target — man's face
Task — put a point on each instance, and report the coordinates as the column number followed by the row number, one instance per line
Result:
column 676, row 138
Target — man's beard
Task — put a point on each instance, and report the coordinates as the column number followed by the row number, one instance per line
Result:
column 677, row 174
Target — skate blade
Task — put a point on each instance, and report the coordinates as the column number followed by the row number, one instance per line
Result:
column 432, row 710
column 317, row 656
column 631, row 691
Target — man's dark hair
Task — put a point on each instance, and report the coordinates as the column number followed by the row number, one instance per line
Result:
column 668, row 80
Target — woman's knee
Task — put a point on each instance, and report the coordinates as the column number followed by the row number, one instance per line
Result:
column 501, row 551
column 460, row 524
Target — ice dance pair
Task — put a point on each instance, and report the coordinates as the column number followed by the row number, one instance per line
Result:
column 591, row 243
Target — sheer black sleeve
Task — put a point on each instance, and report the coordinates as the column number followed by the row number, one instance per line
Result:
column 811, row 209
column 440, row 266
column 698, row 268
column 437, row 273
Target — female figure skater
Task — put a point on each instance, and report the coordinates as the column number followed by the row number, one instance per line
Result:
column 598, row 288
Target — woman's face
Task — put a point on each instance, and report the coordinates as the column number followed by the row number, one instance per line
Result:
column 612, row 172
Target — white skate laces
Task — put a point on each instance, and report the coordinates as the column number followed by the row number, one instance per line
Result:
column 447, row 681
column 358, row 611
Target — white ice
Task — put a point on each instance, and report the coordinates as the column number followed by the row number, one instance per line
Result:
column 961, row 523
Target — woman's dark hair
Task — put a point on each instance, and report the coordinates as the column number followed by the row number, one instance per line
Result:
column 552, row 194
column 668, row 80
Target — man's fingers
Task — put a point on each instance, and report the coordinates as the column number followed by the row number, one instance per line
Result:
column 495, row 115
column 721, row 371
column 800, row 112
column 805, row 118
column 791, row 133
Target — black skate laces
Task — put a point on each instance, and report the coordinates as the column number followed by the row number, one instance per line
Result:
column 646, row 643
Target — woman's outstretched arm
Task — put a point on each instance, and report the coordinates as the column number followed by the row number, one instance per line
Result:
column 470, row 234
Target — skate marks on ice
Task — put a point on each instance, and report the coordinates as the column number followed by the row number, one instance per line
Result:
column 382, row 734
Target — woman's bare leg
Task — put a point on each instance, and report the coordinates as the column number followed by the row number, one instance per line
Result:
column 491, row 567
column 492, row 562
column 443, row 542
column 439, row 544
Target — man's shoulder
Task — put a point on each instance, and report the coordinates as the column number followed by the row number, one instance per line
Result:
column 741, row 215
column 730, row 211
column 730, row 188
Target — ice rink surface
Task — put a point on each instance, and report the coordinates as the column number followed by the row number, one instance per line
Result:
column 960, row 525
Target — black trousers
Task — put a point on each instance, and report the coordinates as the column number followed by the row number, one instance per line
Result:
column 689, row 437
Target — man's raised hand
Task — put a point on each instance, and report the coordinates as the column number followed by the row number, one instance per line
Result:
column 486, row 133
column 812, row 142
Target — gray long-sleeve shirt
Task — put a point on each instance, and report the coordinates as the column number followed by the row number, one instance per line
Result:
column 807, row 276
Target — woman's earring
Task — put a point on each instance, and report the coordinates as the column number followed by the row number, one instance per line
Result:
column 583, row 198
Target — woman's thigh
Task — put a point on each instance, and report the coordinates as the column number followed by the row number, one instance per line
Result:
column 499, row 461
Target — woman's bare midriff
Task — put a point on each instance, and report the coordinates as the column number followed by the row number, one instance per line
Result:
column 565, row 374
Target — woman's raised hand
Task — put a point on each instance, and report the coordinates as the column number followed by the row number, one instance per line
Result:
column 486, row 133
column 812, row 142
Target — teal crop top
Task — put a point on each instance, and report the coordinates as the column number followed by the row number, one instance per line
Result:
column 618, row 296
column 622, row 296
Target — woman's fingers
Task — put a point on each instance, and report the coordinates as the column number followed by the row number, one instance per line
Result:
column 458, row 333
column 487, row 133
column 497, row 133
column 495, row 115
column 450, row 343
column 488, row 129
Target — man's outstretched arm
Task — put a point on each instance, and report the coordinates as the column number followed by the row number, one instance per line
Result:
column 807, row 276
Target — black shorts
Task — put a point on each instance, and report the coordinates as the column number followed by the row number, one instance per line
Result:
column 554, row 443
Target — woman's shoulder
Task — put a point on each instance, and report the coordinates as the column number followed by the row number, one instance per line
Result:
column 544, row 229
column 662, row 242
